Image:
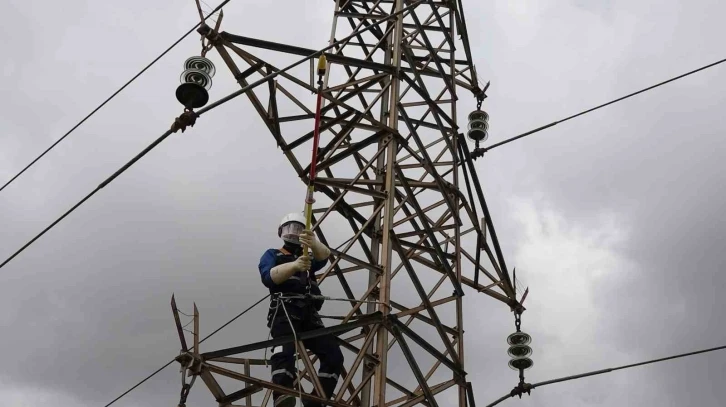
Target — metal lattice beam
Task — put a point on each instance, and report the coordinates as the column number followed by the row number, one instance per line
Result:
column 390, row 162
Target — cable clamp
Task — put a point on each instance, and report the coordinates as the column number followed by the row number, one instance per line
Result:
column 188, row 118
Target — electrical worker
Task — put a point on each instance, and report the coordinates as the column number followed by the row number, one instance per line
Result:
column 288, row 272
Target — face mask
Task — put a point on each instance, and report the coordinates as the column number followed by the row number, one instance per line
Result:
column 291, row 232
column 293, row 248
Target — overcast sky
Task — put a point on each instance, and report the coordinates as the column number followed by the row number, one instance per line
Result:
column 613, row 219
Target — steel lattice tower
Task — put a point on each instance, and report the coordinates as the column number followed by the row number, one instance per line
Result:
column 398, row 200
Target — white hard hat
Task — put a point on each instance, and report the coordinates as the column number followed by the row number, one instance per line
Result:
column 290, row 227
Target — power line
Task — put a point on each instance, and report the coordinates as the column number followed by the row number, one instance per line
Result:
column 172, row 361
column 112, row 96
column 141, row 382
column 98, row 188
column 485, row 149
column 110, row 179
column 597, row 372
column 189, row 117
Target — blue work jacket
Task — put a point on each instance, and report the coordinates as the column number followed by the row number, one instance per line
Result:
column 297, row 283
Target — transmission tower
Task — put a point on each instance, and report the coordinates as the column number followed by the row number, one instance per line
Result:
column 398, row 200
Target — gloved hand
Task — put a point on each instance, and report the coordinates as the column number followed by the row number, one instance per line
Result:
column 320, row 251
column 302, row 263
column 280, row 274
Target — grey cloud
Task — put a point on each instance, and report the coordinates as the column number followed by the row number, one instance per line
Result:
column 88, row 303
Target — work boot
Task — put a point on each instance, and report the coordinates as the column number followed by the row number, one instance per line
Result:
column 311, row 403
column 285, row 401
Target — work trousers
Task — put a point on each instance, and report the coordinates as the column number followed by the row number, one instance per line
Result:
column 303, row 317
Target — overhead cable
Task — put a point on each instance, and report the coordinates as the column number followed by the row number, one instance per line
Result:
column 537, row 130
column 597, row 372
column 112, row 96
column 172, row 361
column 194, row 115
